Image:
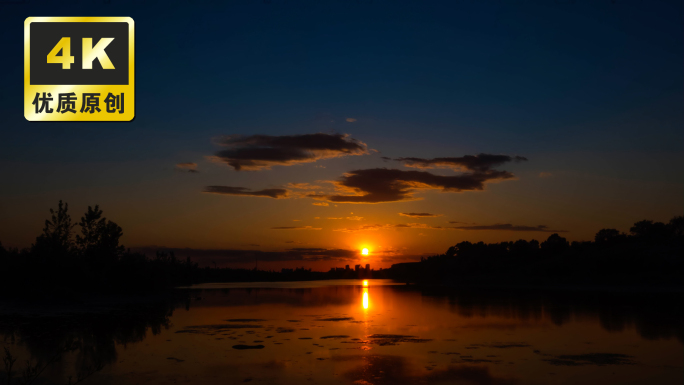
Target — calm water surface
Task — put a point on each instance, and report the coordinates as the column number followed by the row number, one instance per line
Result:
column 340, row 332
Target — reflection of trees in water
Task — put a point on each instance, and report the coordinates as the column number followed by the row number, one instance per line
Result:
column 653, row 315
column 97, row 335
column 398, row 370
column 92, row 336
column 306, row 297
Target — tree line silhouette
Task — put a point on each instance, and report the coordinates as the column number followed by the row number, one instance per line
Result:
column 651, row 254
column 63, row 261
column 87, row 257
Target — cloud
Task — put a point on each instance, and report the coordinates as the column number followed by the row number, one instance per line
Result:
column 481, row 162
column 416, row 226
column 360, row 228
column 276, row 193
column 545, row 174
column 500, row 227
column 420, row 215
column 296, row 228
column 319, row 254
column 230, row 257
column 224, row 257
column 355, row 218
column 188, row 167
column 378, row 185
column 320, row 204
column 261, row 152
column 507, row 227
column 350, row 120
column 389, row 227
column 302, row 186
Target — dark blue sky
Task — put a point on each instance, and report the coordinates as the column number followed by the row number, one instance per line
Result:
column 590, row 92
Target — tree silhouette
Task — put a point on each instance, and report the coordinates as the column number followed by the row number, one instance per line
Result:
column 608, row 237
column 59, row 265
column 99, row 236
column 651, row 255
column 650, row 231
column 555, row 244
column 56, row 237
column 676, row 226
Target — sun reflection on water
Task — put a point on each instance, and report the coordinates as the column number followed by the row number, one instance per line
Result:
column 366, row 306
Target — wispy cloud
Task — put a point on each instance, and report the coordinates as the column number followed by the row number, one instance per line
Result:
column 225, row 257
column 187, row 167
column 296, row 228
column 420, row 215
column 389, row 227
column 350, row 120
column 379, row 185
column 229, row 257
column 302, row 186
column 500, row 227
column 480, row 162
column 261, row 152
column 321, row 204
column 507, row 227
column 545, row 174
column 276, row 193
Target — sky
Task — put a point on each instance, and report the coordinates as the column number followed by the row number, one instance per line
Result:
column 296, row 132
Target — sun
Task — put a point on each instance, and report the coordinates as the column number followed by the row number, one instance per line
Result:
column 364, row 251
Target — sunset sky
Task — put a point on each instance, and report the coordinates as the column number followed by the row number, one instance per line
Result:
column 299, row 132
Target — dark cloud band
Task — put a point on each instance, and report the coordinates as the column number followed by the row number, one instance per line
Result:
column 225, row 257
column 380, row 185
column 187, row 166
column 481, row 162
column 296, row 228
column 261, row 152
column 276, row 193
column 507, row 227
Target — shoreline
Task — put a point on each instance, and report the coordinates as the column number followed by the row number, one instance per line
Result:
column 93, row 303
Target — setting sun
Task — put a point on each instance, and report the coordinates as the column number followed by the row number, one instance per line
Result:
column 364, row 251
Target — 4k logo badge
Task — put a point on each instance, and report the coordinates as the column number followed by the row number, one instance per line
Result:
column 79, row 69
